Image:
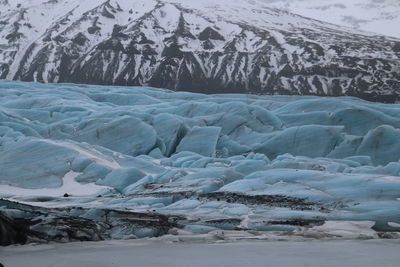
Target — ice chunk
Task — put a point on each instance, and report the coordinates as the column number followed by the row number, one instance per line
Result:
column 201, row 140
column 34, row 163
column 122, row 178
column 127, row 135
column 249, row 166
column 170, row 130
column 382, row 145
column 358, row 121
column 347, row 148
column 310, row 140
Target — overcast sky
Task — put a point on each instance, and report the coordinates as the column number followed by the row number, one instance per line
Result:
column 380, row 16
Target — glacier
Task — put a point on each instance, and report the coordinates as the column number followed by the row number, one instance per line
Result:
column 128, row 162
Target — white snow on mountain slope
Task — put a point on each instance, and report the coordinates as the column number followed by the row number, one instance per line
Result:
column 208, row 46
column 379, row 16
column 253, row 12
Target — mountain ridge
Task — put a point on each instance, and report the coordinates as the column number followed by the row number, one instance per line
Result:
column 207, row 47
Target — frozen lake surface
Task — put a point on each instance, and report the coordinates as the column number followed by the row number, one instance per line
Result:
column 353, row 253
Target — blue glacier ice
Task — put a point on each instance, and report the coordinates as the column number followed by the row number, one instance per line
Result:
column 224, row 161
column 201, row 140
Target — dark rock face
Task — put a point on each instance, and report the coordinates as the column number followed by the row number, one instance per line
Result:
column 36, row 224
column 21, row 223
column 210, row 34
column 171, row 46
column 12, row 231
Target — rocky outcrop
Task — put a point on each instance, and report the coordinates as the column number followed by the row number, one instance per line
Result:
column 21, row 224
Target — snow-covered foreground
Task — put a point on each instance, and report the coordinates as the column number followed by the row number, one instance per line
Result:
column 154, row 253
column 139, row 162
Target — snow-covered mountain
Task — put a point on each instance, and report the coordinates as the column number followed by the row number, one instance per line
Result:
column 202, row 46
column 381, row 16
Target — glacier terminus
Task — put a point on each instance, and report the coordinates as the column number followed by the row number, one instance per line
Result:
column 86, row 162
